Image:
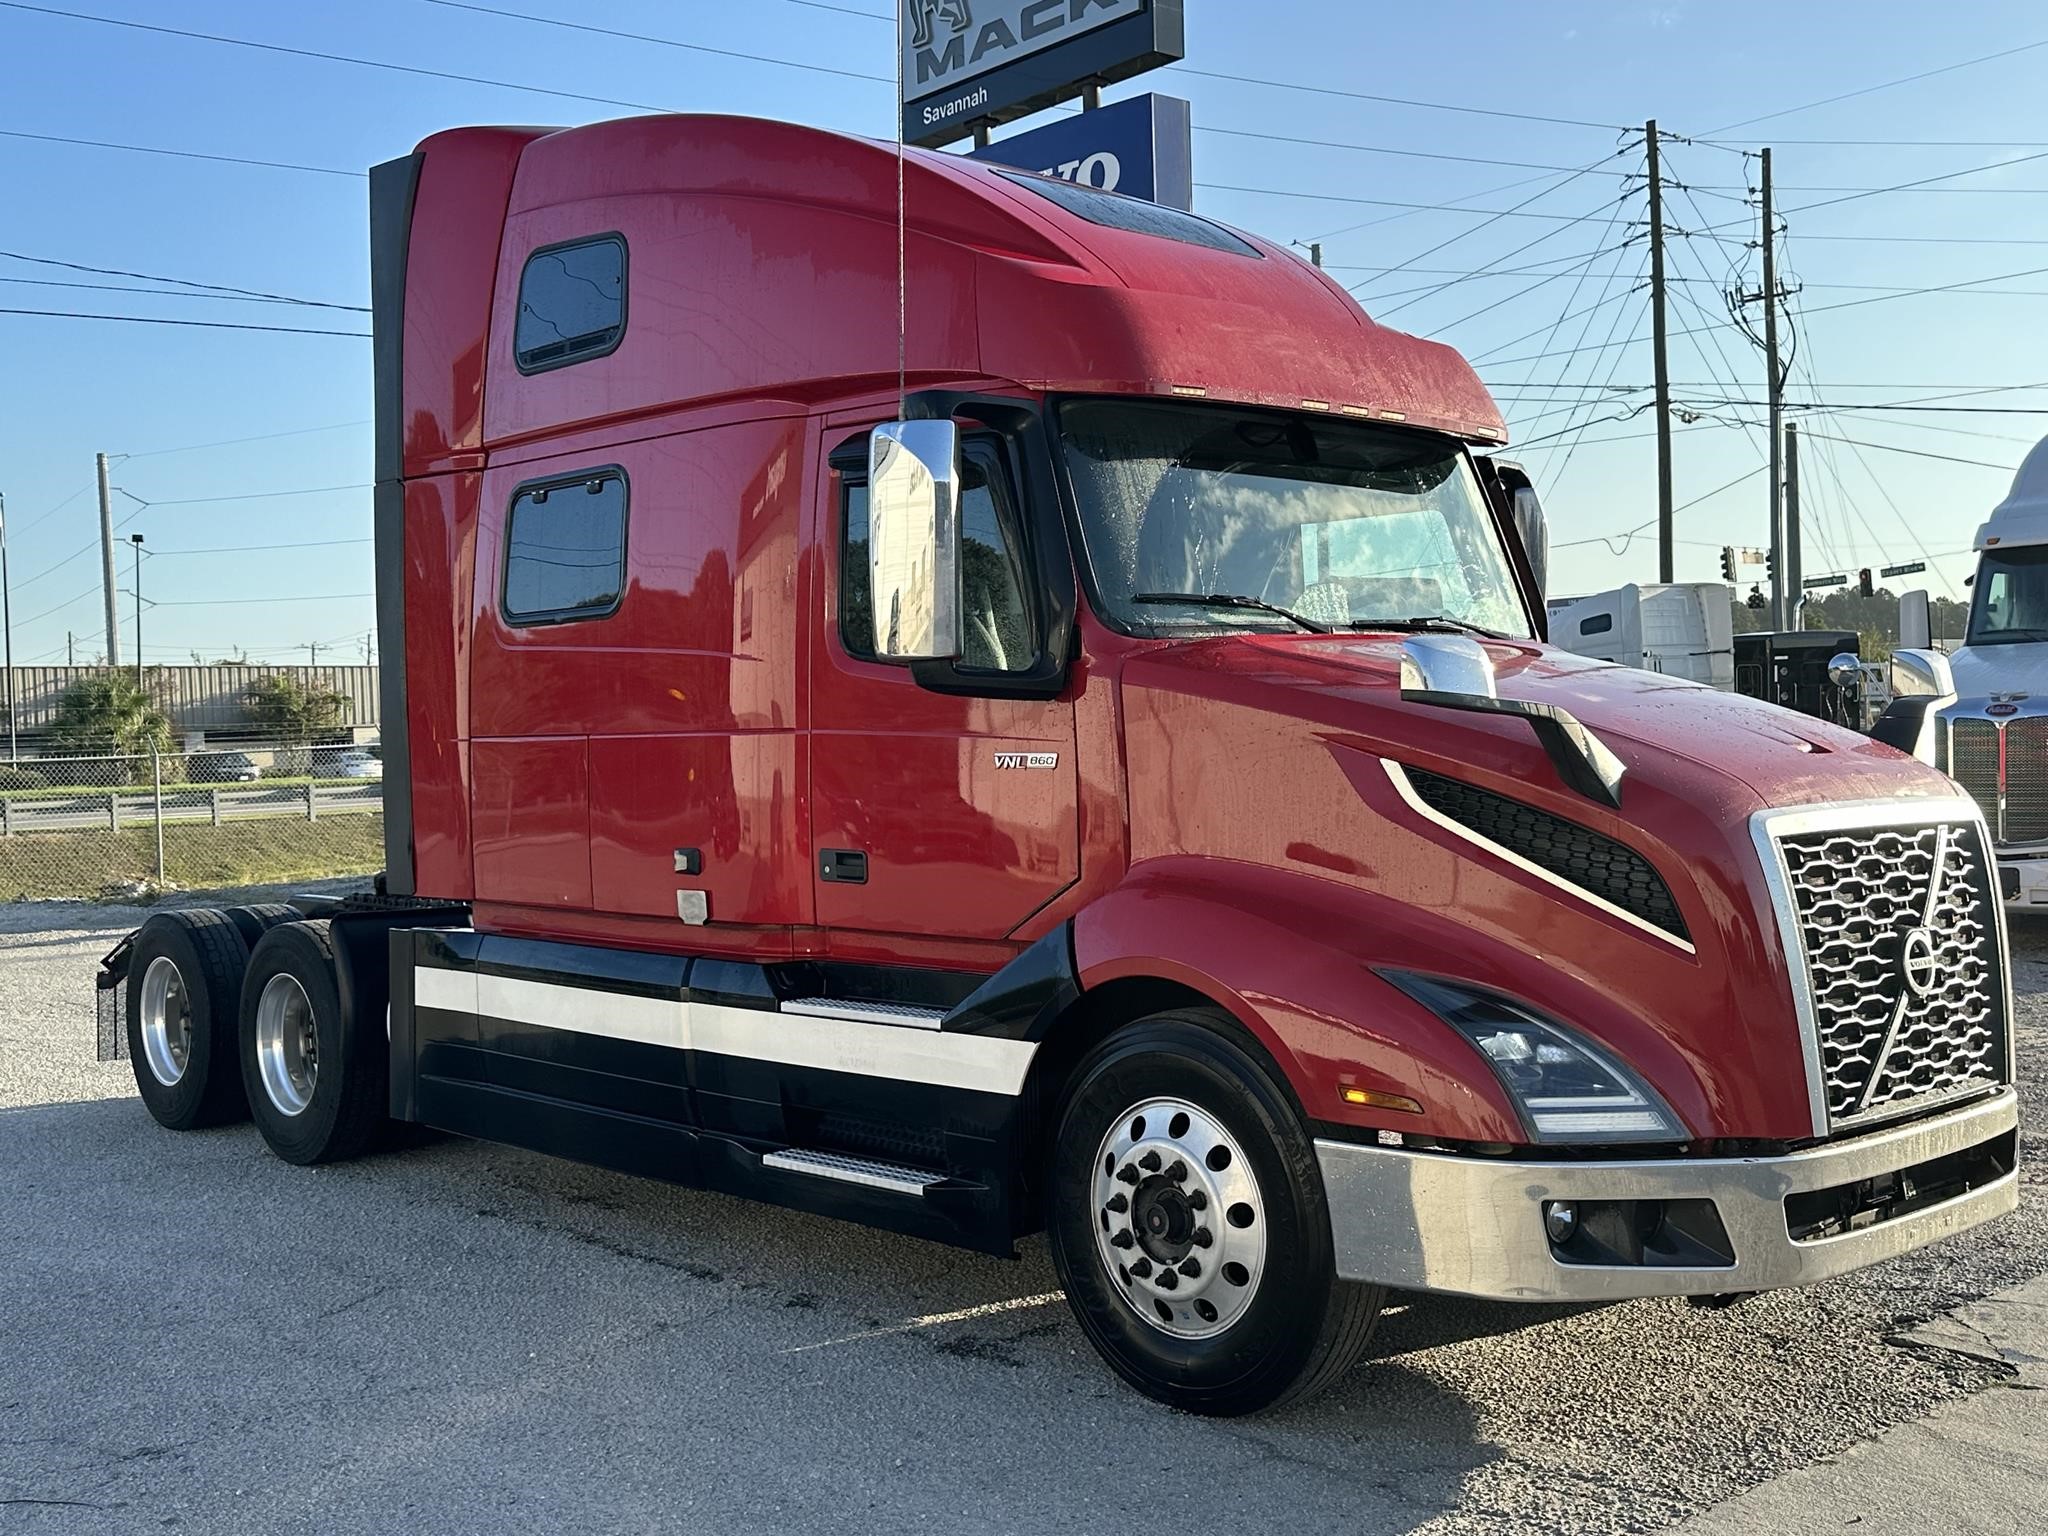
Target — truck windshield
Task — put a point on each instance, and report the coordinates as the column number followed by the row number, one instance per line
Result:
column 1344, row 525
column 2011, row 605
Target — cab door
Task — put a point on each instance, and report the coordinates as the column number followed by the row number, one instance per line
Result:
column 936, row 814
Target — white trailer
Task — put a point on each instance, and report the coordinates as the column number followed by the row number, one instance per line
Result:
column 1683, row 630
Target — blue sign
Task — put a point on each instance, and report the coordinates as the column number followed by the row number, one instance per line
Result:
column 1144, row 147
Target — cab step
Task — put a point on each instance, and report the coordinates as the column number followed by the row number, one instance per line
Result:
column 857, row 1011
column 896, row 1178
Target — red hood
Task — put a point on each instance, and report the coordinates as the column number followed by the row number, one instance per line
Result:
column 1266, row 757
column 1660, row 727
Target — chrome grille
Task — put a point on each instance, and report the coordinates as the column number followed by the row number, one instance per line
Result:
column 1898, row 927
column 1973, row 763
column 2026, row 781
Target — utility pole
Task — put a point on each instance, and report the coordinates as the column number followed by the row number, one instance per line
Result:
column 1775, row 394
column 107, row 563
column 1315, row 254
column 313, row 654
column 1794, row 570
column 70, row 649
column 136, row 540
column 7, row 621
column 1666, row 534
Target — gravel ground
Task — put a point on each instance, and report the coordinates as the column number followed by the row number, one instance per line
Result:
column 463, row 1338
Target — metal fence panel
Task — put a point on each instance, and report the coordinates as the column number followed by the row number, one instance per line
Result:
column 252, row 815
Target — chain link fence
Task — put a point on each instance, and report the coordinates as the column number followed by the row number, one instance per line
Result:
column 251, row 814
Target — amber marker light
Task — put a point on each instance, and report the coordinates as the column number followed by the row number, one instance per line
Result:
column 1369, row 1098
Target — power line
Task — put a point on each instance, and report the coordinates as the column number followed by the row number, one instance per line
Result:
column 661, row 42
column 252, row 549
column 183, row 282
column 211, row 325
column 1397, row 101
column 1378, row 149
column 160, row 293
column 224, row 602
column 1887, row 85
column 1925, row 181
column 180, row 154
column 1380, row 202
column 1918, row 453
column 334, row 58
column 1908, row 293
column 235, row 442
column 207, row 501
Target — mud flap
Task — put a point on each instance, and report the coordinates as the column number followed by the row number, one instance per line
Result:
column 110, row 1002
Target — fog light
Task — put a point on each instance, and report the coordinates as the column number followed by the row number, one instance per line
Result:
column 1560, row 1221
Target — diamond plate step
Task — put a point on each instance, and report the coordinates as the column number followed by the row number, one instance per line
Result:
column 894, row 1177
column 860, row 1012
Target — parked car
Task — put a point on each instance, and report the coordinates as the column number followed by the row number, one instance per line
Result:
column 347, row 763
column 222, row 768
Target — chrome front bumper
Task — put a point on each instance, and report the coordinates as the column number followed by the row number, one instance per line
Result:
column 1424, row 1221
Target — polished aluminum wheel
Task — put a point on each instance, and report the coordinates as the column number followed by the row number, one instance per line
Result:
column 1179, row 1223
column 166, row 1014
column 287, row 1044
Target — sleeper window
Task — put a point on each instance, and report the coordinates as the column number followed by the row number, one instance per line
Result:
column 572, row 303
column 565, row 549
column 996, row 627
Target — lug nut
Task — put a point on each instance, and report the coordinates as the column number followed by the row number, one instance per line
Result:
column 1141, row 1267
column 1178, row 1173
column 1190, row 1267
column 1117, row 1204
column 1127, row 1174
column 1122, row 1238
column 1167, row 1280
column 1149, row 1162
column 1202, row 1237
column 1197, row 1200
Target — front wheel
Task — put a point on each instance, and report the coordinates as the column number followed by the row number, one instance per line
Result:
column 1189, row 1224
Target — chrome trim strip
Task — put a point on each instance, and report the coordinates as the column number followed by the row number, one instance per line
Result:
column 1474, row 1226
column 1767, row 826
column 1406, row 789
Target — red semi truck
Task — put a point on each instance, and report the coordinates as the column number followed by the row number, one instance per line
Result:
column 1116, row 785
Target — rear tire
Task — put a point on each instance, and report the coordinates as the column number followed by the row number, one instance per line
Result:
column 254, row 922
column 184, row 983
column 1189, row 1225
column 317, row 1083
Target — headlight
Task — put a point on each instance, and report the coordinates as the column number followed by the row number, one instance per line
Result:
column 1566, row 1088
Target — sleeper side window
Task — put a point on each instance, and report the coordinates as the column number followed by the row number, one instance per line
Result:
column 565, row 549
column 572, row 303
column 997, row 632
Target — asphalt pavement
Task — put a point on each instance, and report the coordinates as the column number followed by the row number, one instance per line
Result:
column 462, row 1338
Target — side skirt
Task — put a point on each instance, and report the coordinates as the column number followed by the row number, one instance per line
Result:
column 785, row 1084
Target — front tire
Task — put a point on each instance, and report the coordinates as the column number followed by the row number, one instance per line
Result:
column 1189, row 1225
column 317, row 1082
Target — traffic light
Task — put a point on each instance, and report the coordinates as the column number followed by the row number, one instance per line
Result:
column 1863, row 582
column 1728, row 563
column 1756, row 599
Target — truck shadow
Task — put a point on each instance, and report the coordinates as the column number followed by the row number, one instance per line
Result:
column 482, row 1254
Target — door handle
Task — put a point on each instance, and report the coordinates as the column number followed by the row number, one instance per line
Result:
column 843, row 866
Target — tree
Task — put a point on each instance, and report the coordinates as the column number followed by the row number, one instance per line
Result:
column 292, row 711
column 110, row 712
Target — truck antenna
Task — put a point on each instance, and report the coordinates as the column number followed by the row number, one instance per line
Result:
column 902, row 242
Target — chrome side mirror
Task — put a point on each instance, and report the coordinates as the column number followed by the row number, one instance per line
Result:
column 1845, row 670
column 1533, row 528
column 914, row 540
column 1921, row 674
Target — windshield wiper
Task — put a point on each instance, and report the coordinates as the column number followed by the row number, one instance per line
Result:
column 1435, row 621
column 1230, row 600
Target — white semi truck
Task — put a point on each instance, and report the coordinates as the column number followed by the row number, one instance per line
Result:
column 1981, row 714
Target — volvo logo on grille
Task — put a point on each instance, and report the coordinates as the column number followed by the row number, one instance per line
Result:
column 1917, row 963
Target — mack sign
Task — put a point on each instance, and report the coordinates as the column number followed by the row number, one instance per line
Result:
column 1143, row 147
column 990, row 61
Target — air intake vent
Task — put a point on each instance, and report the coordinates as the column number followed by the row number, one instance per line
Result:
column 1578, row 855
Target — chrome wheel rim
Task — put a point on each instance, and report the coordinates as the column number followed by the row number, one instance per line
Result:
column 287, row 1044
column 166, row 1014
column 1180, row 1226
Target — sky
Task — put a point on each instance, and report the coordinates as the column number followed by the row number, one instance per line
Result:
column 245, row 455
